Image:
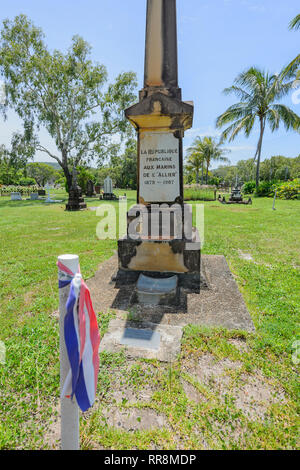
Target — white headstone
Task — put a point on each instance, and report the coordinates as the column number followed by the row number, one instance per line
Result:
column 48, row 195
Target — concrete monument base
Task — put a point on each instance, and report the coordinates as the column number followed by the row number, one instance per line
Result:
column 163, row 256
column 218, row 302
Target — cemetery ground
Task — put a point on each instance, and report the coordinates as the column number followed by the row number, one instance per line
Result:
column 226, row 390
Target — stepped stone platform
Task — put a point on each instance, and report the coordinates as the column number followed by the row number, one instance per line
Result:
column 218, row 302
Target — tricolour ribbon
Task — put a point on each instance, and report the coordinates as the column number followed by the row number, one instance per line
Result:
column 82, row 341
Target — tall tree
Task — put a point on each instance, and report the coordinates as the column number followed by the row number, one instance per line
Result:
column 64, row 93
column 258, row 92
column 196, row 159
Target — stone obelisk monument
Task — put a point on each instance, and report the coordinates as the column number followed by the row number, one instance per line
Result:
column 160, row 119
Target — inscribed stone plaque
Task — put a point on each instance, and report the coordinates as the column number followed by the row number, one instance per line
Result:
column 139, row 338
column 159, row 167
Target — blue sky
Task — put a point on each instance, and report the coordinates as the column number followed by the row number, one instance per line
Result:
column 217, row 39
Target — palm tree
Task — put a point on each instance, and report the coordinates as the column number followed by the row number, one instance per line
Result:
column 257, row 91
column 196, row 158
column 295, row 23
column 213, row 152
column 203, row 152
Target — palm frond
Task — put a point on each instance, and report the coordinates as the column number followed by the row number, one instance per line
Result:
column 295, row 23
column 238, row 91
column 287, row 116
column 234, row 112
column 273, row 119
column 291, row 69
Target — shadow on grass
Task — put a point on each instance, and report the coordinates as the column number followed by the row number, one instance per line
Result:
column 27, row 203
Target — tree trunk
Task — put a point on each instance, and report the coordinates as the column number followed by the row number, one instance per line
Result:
column 65, row 168
column 68, row 178
column 259, row 147
column 197, row 177
column 206, row 176
column 202, row 175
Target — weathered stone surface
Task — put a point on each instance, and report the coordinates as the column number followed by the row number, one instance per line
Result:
column 161, row 112
column 169, row 256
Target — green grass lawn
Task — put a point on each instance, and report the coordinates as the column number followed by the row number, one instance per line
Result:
column 33, row 234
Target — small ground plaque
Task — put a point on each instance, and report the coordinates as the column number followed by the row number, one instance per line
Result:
column 138, row 338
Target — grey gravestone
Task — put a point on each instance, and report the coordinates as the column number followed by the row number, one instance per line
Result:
column 108, row 186
column 34, row 196
column 146, row 339
column 16, row 197
column 75, row 201
column 90, row 188
column 108, row 190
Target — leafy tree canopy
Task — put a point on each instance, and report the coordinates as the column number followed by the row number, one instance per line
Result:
column 42, row 173
column 65, row 93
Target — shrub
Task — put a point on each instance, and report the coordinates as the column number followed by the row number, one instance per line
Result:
column 249, row 187
column 289, row 190
column 265, row 189
column 24, row 190
column 27, row 181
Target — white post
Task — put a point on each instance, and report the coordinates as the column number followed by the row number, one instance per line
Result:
column 274, row 200
column 69, row 409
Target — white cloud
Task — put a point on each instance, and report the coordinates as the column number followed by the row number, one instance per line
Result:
column 254, row 5
column 203, row 132
column 240, row 148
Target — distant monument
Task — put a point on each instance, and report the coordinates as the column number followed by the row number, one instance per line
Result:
column 108, row 194
column 90, row 189
column 76, row 201
column 236, row 196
